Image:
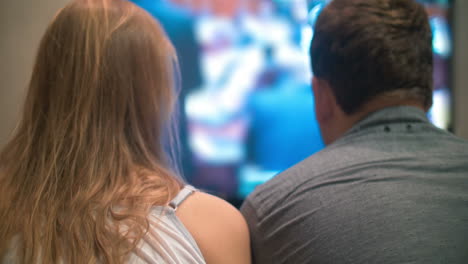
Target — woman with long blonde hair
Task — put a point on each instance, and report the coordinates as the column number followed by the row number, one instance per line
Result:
column 86, row 178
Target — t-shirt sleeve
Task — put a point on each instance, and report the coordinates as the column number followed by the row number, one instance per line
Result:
column 249, row 212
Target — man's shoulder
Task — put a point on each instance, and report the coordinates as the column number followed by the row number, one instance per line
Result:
column 282, row 186
column 357, row 151
column 448, row 141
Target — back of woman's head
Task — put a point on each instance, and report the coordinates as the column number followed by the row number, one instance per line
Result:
column 87, row 157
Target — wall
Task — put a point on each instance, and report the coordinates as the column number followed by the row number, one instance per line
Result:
column 461, row 68
column 22, row 23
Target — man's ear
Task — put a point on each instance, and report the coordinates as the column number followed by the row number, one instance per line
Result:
column 324, row 100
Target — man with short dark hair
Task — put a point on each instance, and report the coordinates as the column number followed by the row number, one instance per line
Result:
column 389, row 187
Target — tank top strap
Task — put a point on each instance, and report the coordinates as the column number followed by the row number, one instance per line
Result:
column 181, row 196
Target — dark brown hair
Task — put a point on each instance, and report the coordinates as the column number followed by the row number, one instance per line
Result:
column 86, row 163
column 366, row 48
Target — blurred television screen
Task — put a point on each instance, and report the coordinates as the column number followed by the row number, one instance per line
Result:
column 252, row 114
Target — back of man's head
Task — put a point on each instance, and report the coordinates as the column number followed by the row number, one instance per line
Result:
column 367, row 48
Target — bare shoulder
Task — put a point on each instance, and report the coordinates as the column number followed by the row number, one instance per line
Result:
column 218, row 228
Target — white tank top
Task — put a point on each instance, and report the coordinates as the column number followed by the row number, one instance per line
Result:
column 167, row 240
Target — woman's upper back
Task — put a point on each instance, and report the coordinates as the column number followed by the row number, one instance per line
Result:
column 205, row 229
column 167, row 239
column 218, row 228
column 195, row 228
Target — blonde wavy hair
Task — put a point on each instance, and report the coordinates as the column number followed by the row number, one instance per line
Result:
column 88, row 156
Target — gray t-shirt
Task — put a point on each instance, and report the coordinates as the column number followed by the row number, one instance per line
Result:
column 394, row 189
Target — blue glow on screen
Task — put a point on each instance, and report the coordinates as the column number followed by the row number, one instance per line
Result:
column 254, row 112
